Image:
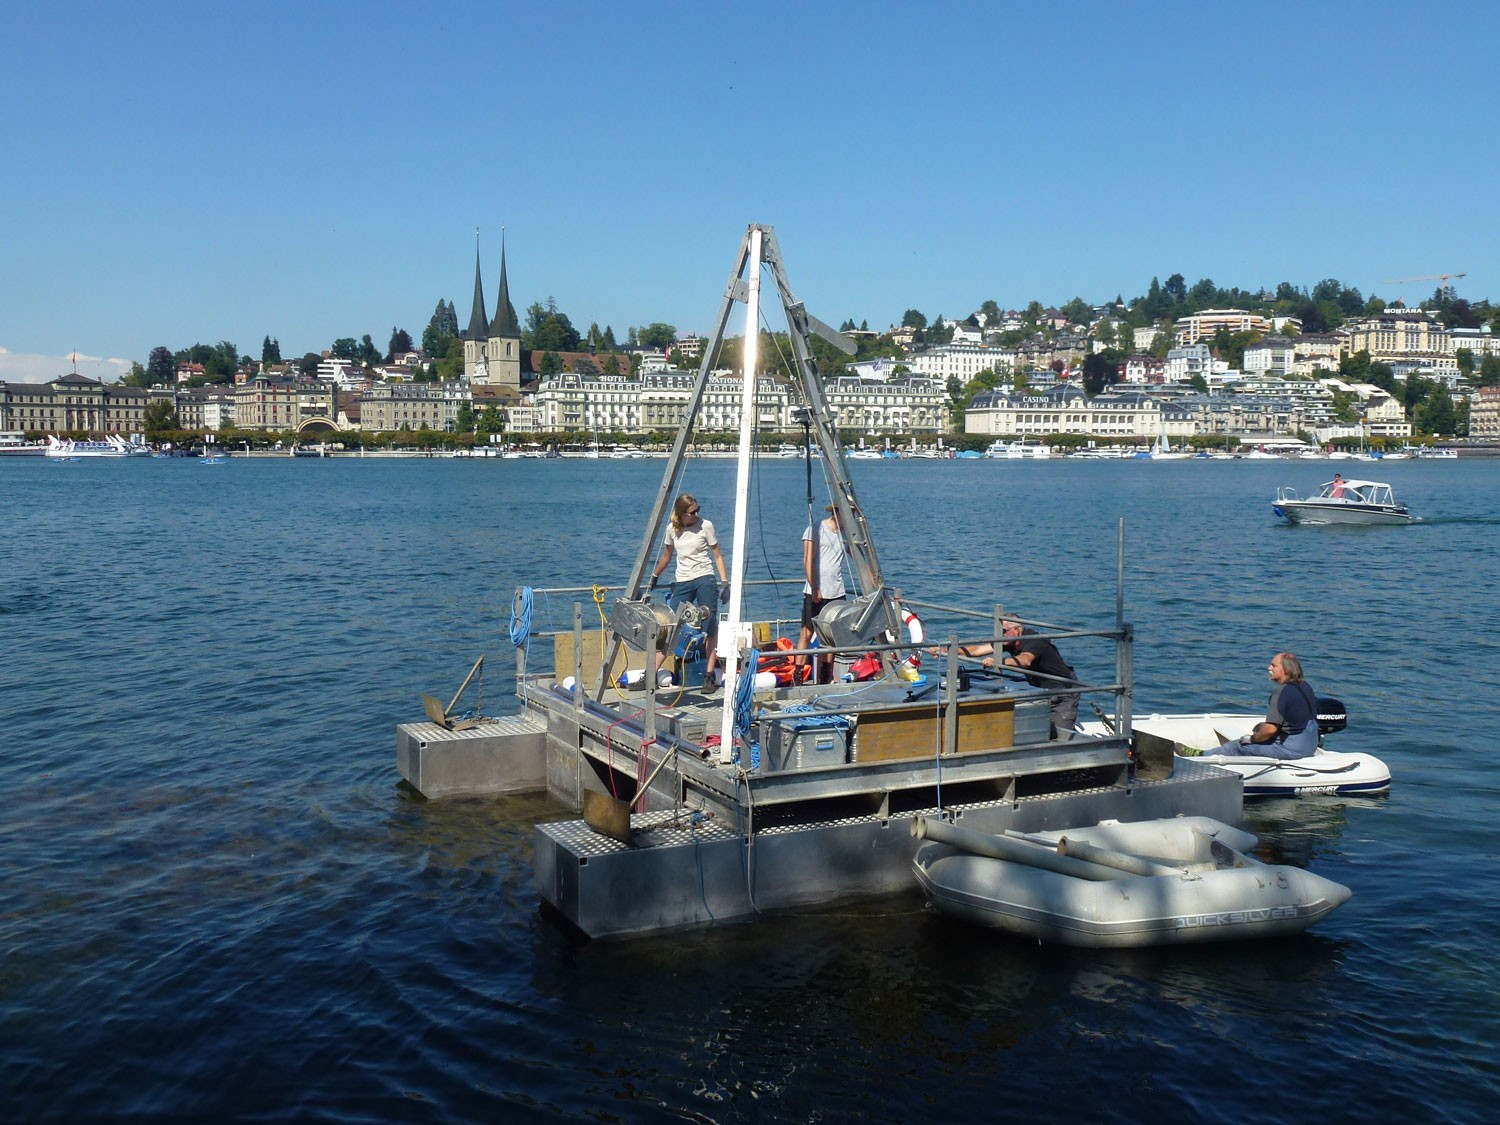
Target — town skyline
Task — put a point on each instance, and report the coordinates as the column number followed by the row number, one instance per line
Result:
column 331, row 188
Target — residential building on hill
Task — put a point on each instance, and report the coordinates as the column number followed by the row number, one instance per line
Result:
column 1409, row 340
column 1208, row 322
column 1484, row 413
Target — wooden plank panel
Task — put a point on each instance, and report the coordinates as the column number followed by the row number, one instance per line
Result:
column 562, row 650
column 913, row 732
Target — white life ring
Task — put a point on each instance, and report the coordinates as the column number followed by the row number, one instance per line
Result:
column 915, row 633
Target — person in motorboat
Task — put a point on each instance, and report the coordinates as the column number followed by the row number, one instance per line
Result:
column 1290, row 729
column 823, row 564
column 1336, row 488
column 691, row 540
column 1025, row 650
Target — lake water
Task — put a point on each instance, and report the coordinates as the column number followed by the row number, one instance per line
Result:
column 217, row 901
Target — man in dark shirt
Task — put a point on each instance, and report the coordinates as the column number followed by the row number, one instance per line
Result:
column 1025, row 650
column 1290, row 729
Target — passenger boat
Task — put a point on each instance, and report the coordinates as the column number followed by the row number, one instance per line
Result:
column 1022, row 450
column 13, row 443
column 112, row 446
column 1194, row 737
column 1156, row 882
column 706, row 804
column 1342, row 501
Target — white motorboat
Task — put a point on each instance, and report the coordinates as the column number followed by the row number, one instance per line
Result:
column 1152, row 882
column 1342, row 501
column 1324, row 772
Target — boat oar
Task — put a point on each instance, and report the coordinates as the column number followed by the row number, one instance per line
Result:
column 1011, row 850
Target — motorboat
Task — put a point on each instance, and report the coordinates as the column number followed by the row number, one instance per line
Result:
column 1325, row 772
column 1342, row 501
column 1173, row 881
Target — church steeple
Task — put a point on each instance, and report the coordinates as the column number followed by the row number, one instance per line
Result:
column 505, row 323
column 479, row 326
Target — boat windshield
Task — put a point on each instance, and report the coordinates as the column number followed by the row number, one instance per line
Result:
column 1357, row 492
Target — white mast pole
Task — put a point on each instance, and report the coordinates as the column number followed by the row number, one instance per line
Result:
column 733, row 632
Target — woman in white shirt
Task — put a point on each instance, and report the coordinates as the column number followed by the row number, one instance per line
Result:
column 691, row 541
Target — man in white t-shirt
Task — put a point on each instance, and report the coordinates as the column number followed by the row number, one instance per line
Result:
column 823, row 566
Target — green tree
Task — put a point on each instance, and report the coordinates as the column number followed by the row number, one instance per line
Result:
column 161, row 415
column 161, row 366
column 442, row 326
column 1077, row 311
column 913, row 319
column 308, row 364
column 400, row 344
column 551, row 364
column 658, row 336
column 270, row 350
column 366, row 353
column 1465, row 359
column 1198, row 382
column 547, row 329
column 1489, row 371
column 991, row 313
column 1098, row 373
column 463, row 419
column 1436, row 415
column 345, row 347
column 137, row 376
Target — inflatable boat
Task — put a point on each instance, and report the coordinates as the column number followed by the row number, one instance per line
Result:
column 1155, row 882
column 1323, row 772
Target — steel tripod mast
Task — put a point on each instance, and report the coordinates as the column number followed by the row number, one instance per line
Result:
column 759, row 247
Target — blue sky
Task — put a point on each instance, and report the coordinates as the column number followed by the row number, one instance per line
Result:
column 178, row 173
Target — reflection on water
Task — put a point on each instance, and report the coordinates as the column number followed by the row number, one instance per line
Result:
column 218, row 901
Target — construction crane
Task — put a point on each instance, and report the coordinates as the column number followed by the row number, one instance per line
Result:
column 1438, row 277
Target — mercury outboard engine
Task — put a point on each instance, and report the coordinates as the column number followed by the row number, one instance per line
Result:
column 1332, row 717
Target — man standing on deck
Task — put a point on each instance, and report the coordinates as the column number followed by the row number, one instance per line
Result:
column 1034, row 654
column 823, row 566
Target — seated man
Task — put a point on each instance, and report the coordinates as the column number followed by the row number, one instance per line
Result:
column 1290, row 729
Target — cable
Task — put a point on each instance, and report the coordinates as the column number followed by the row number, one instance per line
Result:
column 520, row 617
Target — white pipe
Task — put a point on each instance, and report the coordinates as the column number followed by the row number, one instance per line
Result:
column 731, row 628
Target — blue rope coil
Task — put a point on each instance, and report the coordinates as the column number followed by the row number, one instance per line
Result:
column 744, row 696
column 520, row 617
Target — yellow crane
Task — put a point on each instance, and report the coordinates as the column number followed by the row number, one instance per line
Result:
column 1442, row 278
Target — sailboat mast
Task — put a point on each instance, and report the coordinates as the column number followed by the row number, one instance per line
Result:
column 731, row 629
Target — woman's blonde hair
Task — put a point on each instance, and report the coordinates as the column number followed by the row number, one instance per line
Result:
column 680, row 508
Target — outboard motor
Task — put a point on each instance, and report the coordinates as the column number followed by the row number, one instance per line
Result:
column 1332, row 717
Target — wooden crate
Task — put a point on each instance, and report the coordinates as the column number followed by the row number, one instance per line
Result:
column 914, row 732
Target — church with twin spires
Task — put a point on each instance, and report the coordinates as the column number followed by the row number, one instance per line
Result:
column 492, row 348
